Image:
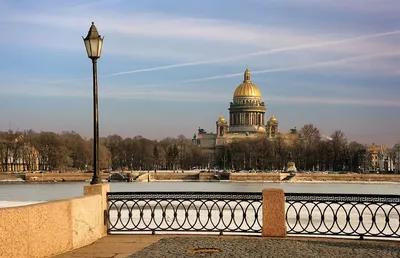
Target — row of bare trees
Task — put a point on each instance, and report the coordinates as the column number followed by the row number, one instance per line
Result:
column 49, row 151
column 139, row 153
column 310, row 151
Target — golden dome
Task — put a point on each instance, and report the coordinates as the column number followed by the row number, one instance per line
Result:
column 247, row 88
column 273, row 118
column 221, row 119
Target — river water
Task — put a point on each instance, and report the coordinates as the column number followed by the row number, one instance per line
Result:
column 24, row 193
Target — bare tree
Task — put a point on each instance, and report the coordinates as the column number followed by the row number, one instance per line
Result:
column 310, row 137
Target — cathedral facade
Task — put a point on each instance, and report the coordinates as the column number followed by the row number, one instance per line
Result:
column 247, row 113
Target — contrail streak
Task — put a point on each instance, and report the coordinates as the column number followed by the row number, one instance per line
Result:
column 298, row 67
column 259, row 53
column 227, row 59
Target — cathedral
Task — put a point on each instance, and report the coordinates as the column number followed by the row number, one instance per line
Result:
column 246, row 119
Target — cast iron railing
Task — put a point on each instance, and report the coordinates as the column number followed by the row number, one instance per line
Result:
column 343, row 214
column 185, row 211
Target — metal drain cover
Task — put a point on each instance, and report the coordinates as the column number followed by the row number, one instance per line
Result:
column 204, row 250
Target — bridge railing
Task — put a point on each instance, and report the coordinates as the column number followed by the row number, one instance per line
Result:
column 184, row 211
column 246, row 213
column 343, row 215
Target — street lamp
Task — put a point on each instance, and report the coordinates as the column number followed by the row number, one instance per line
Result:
column 93, row 44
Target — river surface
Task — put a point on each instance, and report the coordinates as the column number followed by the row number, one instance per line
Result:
column 36, row 192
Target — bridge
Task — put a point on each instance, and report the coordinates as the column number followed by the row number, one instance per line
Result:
column 118, row 176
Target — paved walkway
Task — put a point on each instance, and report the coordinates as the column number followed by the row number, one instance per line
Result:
column 118, row 246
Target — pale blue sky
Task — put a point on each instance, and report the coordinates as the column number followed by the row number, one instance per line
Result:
column 169, row 67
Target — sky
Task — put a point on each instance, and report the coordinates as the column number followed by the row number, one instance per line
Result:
column 170, row 67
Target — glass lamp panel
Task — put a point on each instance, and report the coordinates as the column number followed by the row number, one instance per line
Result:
column 87, row 46
column 100, row 47
column 94, row 45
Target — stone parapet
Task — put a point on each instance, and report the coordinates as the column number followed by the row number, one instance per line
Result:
column 46, row 229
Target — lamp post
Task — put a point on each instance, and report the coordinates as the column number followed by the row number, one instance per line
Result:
column 93, row 44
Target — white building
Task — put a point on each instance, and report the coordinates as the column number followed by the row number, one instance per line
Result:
column 396, row 157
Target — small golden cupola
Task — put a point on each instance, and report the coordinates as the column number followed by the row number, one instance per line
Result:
column 272, row 126
column 273, row 119
column 247, row 88
column 221, row 119
column 222, row 126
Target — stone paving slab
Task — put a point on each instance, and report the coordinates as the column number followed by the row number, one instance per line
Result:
column 261, row 247
column 149, row 246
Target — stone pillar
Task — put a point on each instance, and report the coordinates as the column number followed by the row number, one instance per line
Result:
column 101, row 189
column 273, row 213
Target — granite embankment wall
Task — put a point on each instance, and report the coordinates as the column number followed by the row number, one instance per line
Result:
column 11, row 177
column 50, row 228
column 187, row 176
column 257, row 176
column 60, row 177
column 207, row 176
column 174, row 176
column 346, row 177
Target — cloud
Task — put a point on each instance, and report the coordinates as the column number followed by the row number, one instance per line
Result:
column 260, row 53
column 200, row 97
column 183, row 35
column 363, row 6
column 159, row 35
column 248, row 55
column 157, row 25
column 79, row 6
column 299, row 67
column 336, row 101
column 359, row 6
column 318, row 65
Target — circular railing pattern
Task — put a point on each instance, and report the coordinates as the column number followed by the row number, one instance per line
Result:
column 338, row 214
column 211, row 212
